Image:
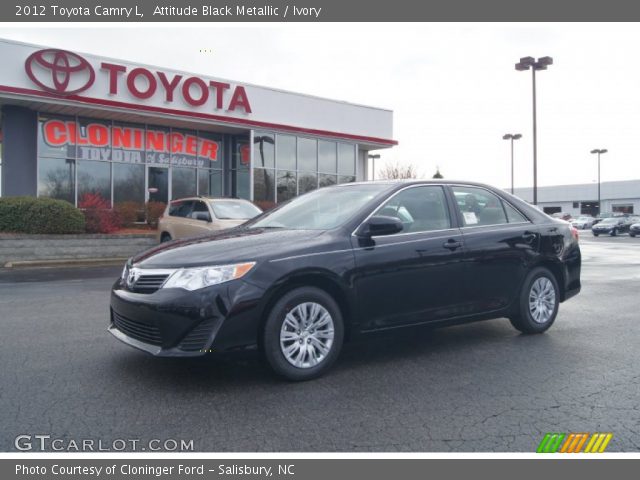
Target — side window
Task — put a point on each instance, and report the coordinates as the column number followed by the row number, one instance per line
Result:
column 513, row 215
column 200, row 211
column 420, row 209
column 180, row 209
column 479, row 207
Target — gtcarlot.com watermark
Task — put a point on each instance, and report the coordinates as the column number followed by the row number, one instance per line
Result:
column 48, row 443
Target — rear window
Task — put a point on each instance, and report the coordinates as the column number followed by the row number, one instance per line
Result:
column 234, row 210
column 180, row 208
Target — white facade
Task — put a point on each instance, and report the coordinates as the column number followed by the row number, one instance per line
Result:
column 573, row 199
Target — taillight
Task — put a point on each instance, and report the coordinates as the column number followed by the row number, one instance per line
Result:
column 574, row 234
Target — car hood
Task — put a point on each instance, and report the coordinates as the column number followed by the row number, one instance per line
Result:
column 228, row 246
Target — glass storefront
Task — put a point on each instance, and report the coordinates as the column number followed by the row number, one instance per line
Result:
column 125, row 162
column 286, row 166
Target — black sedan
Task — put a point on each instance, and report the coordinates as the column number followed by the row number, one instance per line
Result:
column 611, row 226
column 345, row 261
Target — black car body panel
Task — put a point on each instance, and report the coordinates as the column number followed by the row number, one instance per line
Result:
column 451, row 275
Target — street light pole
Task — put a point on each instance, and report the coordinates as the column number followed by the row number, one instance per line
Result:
column 512, row 137
column 599, row 151
column 527, row 63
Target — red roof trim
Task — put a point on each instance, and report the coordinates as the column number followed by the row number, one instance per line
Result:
column 206, row 116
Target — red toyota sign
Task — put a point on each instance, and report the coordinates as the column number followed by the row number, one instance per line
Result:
column 67, row 73
column 59, row 71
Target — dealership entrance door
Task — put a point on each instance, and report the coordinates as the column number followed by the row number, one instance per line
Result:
column 158, row 184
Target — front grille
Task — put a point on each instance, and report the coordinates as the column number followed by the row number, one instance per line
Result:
column 148, row 283
column 197, row 338
column 140, row 331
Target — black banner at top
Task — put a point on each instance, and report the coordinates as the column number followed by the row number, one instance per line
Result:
column 317, row 11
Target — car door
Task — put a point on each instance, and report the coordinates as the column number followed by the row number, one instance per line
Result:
column 499, row 244
column 412, row 276
column 178, row 213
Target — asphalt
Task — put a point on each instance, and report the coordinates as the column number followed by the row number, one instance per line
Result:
column 479, row 387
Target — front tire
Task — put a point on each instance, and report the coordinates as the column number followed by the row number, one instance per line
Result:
column 538, row 303
column 596, row 234
column 303, row 334
column 614, row 232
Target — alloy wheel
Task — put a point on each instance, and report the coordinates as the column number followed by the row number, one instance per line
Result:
column 542, row 300
column 307, row 335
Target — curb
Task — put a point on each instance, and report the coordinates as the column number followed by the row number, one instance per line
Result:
column 64, row 263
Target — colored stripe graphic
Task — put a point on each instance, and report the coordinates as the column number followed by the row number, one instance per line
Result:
column 598, row 442
column 574, row 442
column 550, row 443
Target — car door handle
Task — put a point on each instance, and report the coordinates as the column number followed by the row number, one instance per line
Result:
column 452, row 244
column 529, row 237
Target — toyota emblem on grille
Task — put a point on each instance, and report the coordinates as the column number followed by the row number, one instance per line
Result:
column 59, row 71
column 133, row 277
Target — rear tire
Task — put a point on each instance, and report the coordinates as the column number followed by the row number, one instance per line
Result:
column 538, row 302
column 632, row 234
column 614, row 232
column 596, row 234
column 303, row 334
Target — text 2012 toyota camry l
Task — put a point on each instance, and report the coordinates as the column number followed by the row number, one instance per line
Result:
column 342, row 261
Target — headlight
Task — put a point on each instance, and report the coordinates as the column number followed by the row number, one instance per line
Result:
column 125, row 271
column 200, row 277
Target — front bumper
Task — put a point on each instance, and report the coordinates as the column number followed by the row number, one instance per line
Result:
column 175, row 322
column 602, row 231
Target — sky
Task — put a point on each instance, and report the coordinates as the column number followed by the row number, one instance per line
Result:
column 453, row 87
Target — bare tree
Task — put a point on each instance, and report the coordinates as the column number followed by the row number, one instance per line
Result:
column 397, row 170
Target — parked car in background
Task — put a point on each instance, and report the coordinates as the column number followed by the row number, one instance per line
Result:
column 190, row 217
column 634, row 230
column 340, row 262
column 611, row 226
column 602, row 216
column 583, row 222
column 562, row 216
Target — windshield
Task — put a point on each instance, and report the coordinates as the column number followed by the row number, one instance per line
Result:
column 234, row 209
column 321, row 209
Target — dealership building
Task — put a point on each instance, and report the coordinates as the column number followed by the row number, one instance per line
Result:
column 74, row 124
column 582, row 199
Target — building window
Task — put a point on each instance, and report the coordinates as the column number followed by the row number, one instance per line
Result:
column 576, row 204
column 188, row 161
column 264, row 187
column 57, row 178
column 264, row 150
column 128, row 183
column 627, row 208
column 286, row 185
column 183, row 182
column 285, row 152
column 94, row 178
column 301, row 165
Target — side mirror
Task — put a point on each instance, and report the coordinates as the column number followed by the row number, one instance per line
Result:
column 203, row 216
column 380, row 225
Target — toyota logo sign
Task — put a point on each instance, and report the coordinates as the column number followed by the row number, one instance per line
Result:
column 59, row 71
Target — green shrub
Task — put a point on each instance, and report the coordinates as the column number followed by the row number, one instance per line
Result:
column 39, row 215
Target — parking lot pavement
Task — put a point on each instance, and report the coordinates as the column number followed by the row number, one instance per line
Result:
column 479, row 387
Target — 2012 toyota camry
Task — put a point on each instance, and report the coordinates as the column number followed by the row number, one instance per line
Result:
column 343, row 261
